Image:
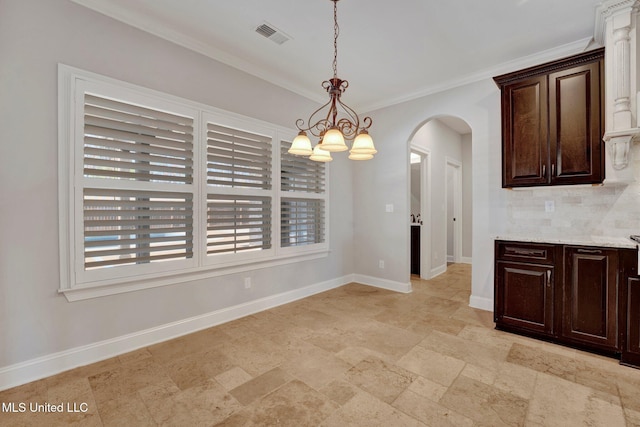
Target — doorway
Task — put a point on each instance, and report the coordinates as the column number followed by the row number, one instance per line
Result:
column 441, row 150
column 453, row 194
column 420, row 217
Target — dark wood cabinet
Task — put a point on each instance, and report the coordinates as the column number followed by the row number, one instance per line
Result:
column 631, row 351
column 552, row 122
column 525, row 285
column 525, row 296
column 525, row 145
column 582, row 296
column 415, row 249
column 589, row 297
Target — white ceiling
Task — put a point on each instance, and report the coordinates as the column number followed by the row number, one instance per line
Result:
column 390, row 51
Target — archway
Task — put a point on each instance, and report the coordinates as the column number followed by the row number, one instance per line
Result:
column 437, row 145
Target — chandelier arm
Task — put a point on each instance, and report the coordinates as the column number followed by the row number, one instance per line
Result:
column 300, row 123
column 351, row 113
column 366, row 123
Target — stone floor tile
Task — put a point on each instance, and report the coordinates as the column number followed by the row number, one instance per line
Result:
column 429, row 412
column 233, row 378
column 294, row 404
column 432, row 365
column 382, row 380
column 426, row 388
column 260, row 386
column 364, row 410
column 316, row 368
column 558, row 402
column 484, row 404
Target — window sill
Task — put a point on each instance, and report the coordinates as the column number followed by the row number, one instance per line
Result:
column 97, row 289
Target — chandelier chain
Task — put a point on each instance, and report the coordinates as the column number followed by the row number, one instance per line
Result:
column 336, row 31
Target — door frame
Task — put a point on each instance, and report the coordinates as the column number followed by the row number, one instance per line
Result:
column 457, row 206
column 425, row 212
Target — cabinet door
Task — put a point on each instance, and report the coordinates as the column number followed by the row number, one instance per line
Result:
column 631, row 351
column 415, row 249
column 524, row 297
column 589, row 303
column 575, row 125
column 525, row 145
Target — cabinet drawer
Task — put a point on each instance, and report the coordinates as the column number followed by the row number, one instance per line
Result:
column 526, row 252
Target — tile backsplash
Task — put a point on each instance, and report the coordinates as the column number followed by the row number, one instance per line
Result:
column 574, row 211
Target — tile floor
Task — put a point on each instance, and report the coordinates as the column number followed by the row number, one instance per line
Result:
column 354, row 356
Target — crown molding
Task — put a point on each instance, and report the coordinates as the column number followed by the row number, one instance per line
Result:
column 147, row 25
column 607, row 9
column 488, row 73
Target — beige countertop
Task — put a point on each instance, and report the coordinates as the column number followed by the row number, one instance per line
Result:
column 602, row 241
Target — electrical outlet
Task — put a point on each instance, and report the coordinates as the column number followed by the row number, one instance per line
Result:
column 247, row 282
column 381, row 263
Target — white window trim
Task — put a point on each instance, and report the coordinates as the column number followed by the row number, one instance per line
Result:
column 196, row 268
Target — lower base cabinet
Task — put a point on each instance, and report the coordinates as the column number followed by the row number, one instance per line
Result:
column 584, row 297
column 631, row 351
column 590, row 297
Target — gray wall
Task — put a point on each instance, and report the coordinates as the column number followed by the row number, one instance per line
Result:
column 34, row 37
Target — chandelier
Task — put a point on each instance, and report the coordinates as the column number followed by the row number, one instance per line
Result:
column 336, row 125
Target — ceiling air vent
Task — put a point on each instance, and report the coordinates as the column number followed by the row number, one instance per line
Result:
column 272, row 33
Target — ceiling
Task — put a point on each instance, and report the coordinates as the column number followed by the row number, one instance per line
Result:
column 390, row 51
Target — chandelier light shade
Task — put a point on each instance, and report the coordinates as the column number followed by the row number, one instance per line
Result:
column 334, row 123
column 301, row 145
column 320, row 155
column 363, row 144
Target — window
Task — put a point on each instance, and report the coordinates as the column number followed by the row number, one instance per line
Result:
column 239, row 190
column 302, row 204
column 156, row 189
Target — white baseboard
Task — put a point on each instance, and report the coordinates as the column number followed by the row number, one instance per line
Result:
column 438, row 270
column 481, row 303
column 42, row 367
column 404, row 288
column 465, row 260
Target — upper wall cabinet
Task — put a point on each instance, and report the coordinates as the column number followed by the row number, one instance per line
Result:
column 552, row 122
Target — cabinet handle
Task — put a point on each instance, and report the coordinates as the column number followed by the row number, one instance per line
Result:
column 544, row 170
column 528, row 252
column 548, row 278
column 553, row 170
column 589, row 251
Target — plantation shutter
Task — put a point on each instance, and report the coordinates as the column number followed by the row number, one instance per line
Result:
column 128, row 142
column 132, row 157
column 238, row 220
column 133, row 227
column 238, row 159
column 302, row 218
column 237, row 224
column 298, row 173
column 302, row 221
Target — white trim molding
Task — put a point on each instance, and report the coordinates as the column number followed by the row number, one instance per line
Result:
column 377, row 282
column 616, row 29
column 481, row 303
column 605, row 10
